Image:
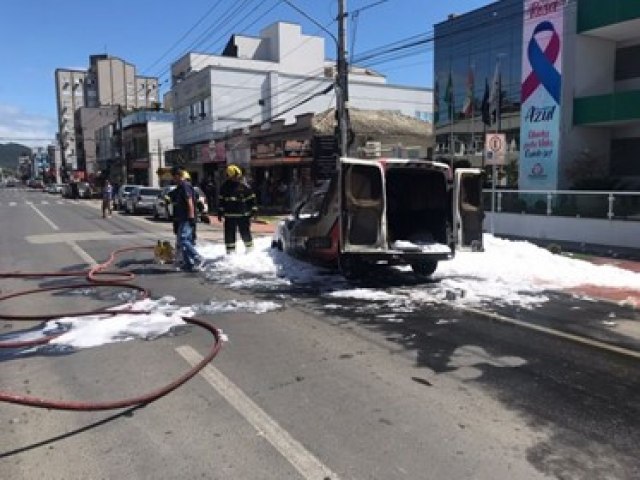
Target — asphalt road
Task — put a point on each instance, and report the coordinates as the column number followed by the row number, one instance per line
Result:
column 308, row 390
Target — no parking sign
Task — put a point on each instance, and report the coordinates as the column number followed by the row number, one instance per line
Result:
column 495, row 146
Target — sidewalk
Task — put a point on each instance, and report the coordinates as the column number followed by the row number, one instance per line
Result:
column 260, row 226
column 626, row 296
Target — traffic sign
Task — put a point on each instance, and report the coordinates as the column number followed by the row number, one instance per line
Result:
column 495, row 147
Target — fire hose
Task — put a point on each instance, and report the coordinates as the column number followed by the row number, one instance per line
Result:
column 96, row 276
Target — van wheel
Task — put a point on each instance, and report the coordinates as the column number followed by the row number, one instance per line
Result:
column 276, row 245
column 350, row 266
column 424, row 268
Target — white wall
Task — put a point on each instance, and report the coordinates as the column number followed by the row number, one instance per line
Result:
column 614, row 233
column 588, row 69
column 160, row 135
column 234, row 96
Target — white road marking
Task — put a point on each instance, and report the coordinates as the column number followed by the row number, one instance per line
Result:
column 96, row 235
column 59, row 202
column 51, row 224
column 12, row 204
column 81, row 253
column 44, row 202
column 556, row 333
column 304, row 461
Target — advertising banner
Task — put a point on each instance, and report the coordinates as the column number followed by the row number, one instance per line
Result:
column 540, row 94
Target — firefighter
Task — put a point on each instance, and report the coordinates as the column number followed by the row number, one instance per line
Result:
column 237, row 204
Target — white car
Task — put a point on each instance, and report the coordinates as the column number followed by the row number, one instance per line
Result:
column 163, row 207
column 55, row 188
column 141, row 199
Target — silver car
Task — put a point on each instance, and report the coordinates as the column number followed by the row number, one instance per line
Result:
column 163, row 207
column 141, row 199
column 120, row 197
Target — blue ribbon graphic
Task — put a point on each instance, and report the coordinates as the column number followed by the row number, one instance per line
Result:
column 541, row 63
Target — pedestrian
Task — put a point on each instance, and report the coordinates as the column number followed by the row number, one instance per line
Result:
column 184, row 214
column 107, row 198
column 75, row 190
column 209, row 189
column 237, row 204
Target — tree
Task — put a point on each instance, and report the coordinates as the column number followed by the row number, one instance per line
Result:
column 588, row 171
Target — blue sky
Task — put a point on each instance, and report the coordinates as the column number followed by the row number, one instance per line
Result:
column 39, row 36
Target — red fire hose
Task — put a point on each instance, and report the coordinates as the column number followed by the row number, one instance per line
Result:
column 97, row 276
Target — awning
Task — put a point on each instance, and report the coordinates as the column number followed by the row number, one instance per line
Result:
column 286, row 161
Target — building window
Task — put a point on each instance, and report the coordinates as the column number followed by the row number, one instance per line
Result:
column 627, row 65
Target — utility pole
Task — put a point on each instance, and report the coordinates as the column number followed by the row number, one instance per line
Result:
column 342, row 84
column 124, row 170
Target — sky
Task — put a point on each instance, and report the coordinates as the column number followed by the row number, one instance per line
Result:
column 38, row 36
column 507, row 273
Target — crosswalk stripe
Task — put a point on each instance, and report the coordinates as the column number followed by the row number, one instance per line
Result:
column 12, row 204
column 44, row 202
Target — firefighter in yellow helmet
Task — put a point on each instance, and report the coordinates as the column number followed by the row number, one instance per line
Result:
column 237, row 204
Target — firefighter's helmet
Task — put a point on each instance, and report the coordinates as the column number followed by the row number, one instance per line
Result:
column 233, row 171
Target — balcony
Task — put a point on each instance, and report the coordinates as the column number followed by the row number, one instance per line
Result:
column 615, row 19
column 609, row 109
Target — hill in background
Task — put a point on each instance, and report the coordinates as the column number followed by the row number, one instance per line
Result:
column 9, row 153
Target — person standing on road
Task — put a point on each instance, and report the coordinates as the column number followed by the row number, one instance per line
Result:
column 184, row 214
column 209, row 189
column 237, row 204
column 107, row 198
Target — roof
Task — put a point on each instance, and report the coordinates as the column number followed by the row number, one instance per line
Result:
column 381, row 122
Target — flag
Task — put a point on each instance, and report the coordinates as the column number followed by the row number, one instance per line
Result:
column 468, row 107
column 486, row 115
column 448, row 96
column 436, row 102
column 495, row 97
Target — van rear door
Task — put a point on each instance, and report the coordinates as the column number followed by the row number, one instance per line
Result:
column 363, row 205
column 468, row 209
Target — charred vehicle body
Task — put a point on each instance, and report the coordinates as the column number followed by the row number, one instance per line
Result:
column 387, row 211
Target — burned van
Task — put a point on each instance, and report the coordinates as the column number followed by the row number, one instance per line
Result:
column 387, row 211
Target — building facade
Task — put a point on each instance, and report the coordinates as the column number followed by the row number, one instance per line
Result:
column 107, row 81
column 559, row 77
column 278, row 75
column 87, row 121
column 146, row 137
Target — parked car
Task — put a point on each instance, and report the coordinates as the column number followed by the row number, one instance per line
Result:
column 85, row 190
column 164, row 208
column 121, row 195
column 141, row 199
column 387, row 211
column 55, row 188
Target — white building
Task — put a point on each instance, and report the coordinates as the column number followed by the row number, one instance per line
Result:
column 259, row 79
column 146, row 136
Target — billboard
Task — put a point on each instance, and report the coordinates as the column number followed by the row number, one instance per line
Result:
column 540, row 94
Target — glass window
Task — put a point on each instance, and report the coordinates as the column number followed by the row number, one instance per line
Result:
column 627, row 65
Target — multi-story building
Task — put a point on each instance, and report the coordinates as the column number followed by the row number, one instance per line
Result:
column 569, row 89
column 53, row 151
column 146, row 136
column 107, row 81
column 87, row 121
column 278, row 75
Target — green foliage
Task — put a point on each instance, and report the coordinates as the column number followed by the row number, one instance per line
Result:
column 9, row 153
column 554, row 248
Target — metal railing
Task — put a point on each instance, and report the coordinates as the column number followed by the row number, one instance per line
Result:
column 565, row 203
